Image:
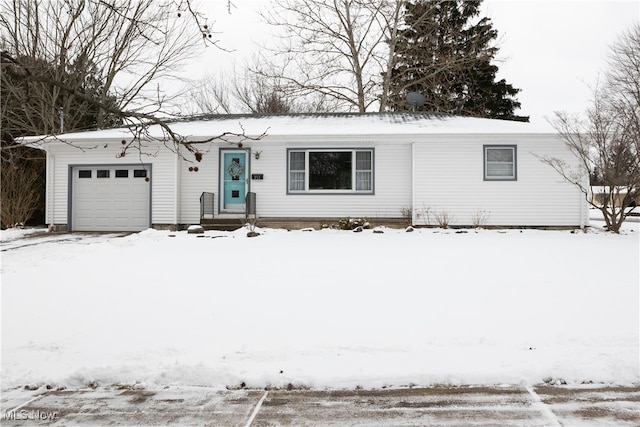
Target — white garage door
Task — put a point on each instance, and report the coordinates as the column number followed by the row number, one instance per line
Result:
column 110, row 198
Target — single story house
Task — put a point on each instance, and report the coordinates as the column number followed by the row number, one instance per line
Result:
column 615, row 195
column 417, row 168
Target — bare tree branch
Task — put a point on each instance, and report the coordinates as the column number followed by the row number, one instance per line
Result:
column 331, row 49
column 607, row 141
column 125, row 50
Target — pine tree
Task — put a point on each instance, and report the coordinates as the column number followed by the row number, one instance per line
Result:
column 31, row 105
column 445, row 53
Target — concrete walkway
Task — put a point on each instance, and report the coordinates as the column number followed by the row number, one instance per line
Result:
column 546, row 405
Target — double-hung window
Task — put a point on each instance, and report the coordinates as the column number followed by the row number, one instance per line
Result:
column 500, row 163
column 335, row 171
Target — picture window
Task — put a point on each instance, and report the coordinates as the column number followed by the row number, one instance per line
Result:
column 337, row 171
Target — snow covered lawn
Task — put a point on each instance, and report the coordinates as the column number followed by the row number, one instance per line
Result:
column 323, row 309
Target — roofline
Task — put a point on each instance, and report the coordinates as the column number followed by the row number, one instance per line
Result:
column 432, row 114
column 404, row 136
column 401, row 116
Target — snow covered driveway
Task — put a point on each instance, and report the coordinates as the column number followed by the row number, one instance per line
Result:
column 323, row 309
column 586, row 406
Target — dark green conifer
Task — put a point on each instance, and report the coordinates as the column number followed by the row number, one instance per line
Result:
column 445, row 53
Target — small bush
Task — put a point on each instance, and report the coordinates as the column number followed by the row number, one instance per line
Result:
column 479, row 219
column 444, row 219
column 349, row 223
column 407, row 214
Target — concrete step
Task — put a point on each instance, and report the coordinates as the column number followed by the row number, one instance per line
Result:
column 223, row 224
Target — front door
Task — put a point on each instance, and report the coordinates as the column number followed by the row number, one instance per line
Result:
column 234, row 182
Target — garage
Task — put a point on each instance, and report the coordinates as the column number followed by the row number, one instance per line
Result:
column 110, row 198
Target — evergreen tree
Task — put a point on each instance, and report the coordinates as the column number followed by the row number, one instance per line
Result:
column 446, row 56
column 32, row 104
column 33, row 99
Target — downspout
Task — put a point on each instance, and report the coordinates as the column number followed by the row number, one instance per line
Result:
column 49, row 195
column 584, row 216
column 176, row 204
column 413, row 183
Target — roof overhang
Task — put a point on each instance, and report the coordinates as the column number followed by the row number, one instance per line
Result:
column 339, row 124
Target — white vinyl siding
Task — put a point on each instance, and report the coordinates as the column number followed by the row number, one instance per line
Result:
column 390, row 189
column 539, row 197
column 397, row 167
column 194, row 183
column 163, row 185
column 391, row 192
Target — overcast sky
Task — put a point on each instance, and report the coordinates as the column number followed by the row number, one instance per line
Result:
column 552, row 50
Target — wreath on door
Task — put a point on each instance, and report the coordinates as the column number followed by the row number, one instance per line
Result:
column 235, row 169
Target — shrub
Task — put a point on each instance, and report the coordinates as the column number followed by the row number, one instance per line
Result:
column 444, row 219
column 479, row 219
column 349, row 223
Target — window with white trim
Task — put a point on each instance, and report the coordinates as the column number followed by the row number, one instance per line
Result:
column 336, row 171
column 500, row 163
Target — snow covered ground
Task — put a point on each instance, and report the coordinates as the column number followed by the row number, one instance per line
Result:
column 322, row 309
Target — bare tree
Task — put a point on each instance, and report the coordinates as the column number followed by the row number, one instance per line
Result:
column 391, row 21
column 129, row 51
column 20, row 195
column 125, row 46
column 607, row 141
column 240, row 92
column 623, row 80
column 333, row 49
column 211, row 95
column 349, row 50
column 69, row 65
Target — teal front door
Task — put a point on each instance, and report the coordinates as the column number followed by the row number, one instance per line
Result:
column 234, row 182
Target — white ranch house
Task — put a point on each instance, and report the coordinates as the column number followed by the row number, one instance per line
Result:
column 310, row 168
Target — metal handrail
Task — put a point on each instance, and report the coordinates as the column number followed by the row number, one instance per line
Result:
column 207, row 205
column 250, row 203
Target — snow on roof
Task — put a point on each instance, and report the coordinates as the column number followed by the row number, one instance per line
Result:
column 326, row 124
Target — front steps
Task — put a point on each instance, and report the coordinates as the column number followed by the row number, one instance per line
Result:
column 222, row 224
